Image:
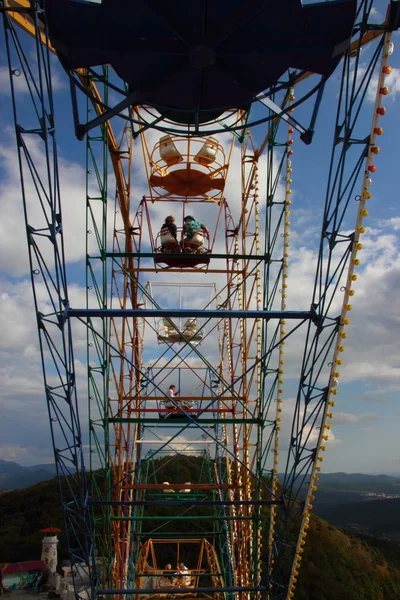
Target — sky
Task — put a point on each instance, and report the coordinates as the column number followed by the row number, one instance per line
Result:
column 367, row 415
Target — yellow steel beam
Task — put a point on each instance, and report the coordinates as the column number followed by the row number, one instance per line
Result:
column 24, row 20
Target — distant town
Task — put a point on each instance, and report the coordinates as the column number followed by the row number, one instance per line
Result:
column 376, row 496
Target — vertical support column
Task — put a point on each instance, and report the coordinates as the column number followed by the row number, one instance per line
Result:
column 41, row 196
column 97, row 345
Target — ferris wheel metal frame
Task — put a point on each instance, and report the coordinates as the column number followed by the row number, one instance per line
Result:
column 87, row 531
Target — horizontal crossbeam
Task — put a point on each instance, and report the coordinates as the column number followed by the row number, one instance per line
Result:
column 184, row 518
column 191, row 411
column 184, row 502
column 185, row 420
column 141, row 397
column 183, row 486
column 160, row 255
column 191, row 312
column 147, row 591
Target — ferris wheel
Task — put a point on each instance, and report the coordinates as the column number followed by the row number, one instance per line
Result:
column 201, row 469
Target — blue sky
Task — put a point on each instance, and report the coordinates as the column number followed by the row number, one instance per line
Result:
column 367, row 417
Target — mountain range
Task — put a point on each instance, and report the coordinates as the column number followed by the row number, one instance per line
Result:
column 14, row 476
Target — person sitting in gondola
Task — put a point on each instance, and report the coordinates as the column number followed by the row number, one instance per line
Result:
column 175, row 401
column 167, row 579
column 194, row 232
column 172, row 395
column 184, row 578
column 172, row 402
column 168, row 235
column 174, row 405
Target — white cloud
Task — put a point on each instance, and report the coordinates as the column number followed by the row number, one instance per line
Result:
column 314, row 436
column 13, row 249
column 26, row 455
column 375, row 15
column 393, row 223
column 59, row 81
column 19, row 83
column 342, row 418
column 392, row 81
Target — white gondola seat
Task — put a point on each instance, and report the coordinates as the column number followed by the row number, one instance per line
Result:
column 207, row 153
column 196, row 243
column 167, row 332
column 167, row 240
column 167, row 490
column 169, row 153
column 189, row 331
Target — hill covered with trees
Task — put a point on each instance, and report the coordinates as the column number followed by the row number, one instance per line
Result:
column 336, row 565
column 339, row 566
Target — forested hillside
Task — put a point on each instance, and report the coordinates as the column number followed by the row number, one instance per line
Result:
column 22, row 514
column 336, row 566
